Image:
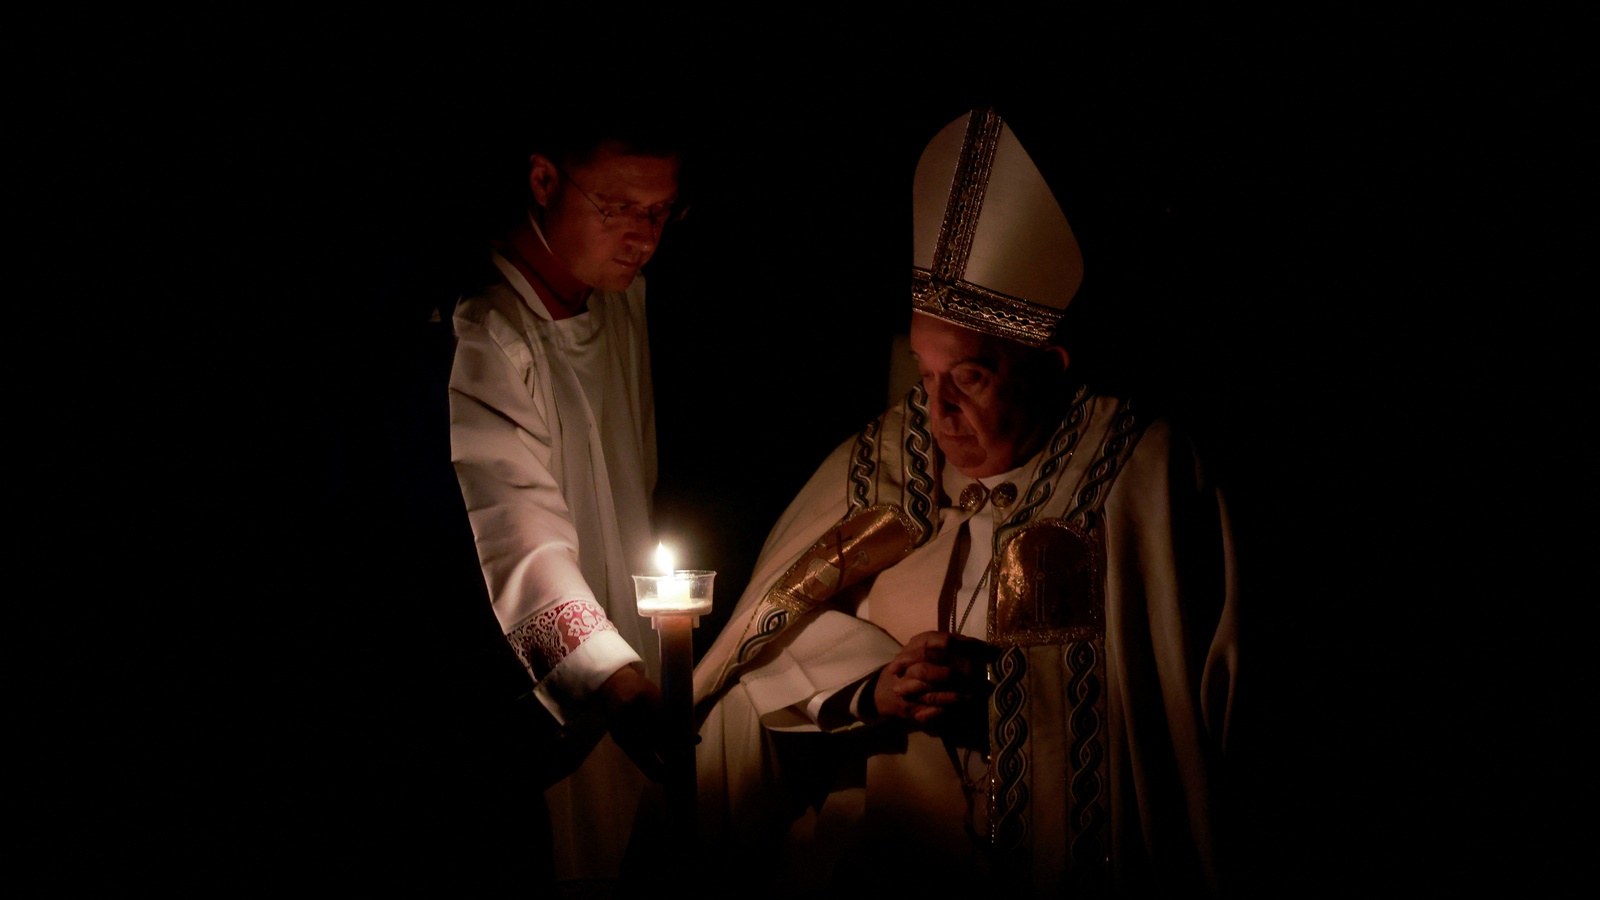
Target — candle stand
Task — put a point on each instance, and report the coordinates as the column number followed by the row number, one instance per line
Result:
column 674, row 603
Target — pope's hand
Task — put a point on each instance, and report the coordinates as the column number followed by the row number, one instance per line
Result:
column 938, row 676
column 633, row 710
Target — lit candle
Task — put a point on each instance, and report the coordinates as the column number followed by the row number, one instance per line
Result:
column 671, row 592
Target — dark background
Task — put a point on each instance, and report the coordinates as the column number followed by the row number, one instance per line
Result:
column 1335, row 249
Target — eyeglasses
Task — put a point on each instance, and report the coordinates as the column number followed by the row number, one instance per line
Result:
column 658, row 215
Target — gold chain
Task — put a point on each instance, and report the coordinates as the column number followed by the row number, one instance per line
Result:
column 955, row 628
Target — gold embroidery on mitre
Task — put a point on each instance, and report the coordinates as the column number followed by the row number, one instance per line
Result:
column 942, row 289
column 980, row 309
column 964, row 204
column 1049, row 586
column 859, row 545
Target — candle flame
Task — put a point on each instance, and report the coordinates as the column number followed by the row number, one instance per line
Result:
column 664, row 560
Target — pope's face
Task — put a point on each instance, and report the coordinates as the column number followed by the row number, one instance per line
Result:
column 605, row 253
column 979, row 395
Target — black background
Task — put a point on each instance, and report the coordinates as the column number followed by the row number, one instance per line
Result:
column 1334, row 248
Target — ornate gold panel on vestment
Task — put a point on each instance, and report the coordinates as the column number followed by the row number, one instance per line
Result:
column 861, row 544
column 1048, row 587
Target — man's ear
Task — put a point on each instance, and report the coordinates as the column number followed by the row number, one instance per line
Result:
column 1061, row 358
column 542, row 178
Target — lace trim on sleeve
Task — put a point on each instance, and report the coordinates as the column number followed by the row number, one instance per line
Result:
column 543, row 641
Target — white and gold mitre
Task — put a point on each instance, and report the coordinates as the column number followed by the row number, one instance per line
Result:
column 991, row 249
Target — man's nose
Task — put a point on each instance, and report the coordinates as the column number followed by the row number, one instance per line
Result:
column 941, row 399
column 643, row 229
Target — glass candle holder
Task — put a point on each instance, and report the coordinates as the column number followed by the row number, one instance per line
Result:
column 686, row 592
